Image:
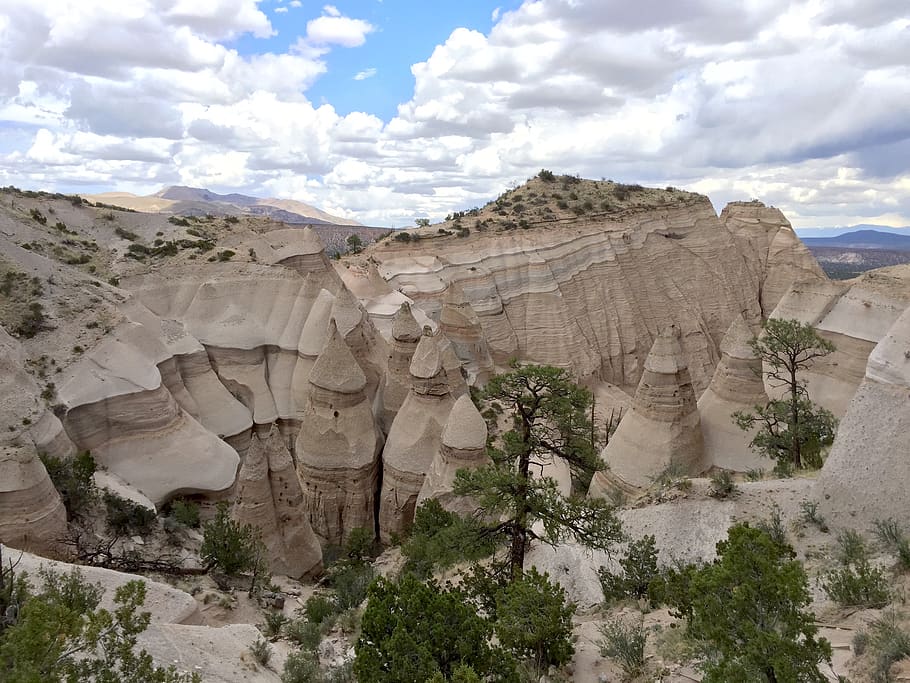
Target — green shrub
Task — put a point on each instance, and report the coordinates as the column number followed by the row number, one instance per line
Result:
column 351, row 582
column 274, row 623
column 225, row 255
column 306, row 634
column 722, row 484
column 624, row 642
column 639, row 570
column 892, row 538
column 318, row 608
column 185, row 512
column 546, row 176
column 125, row 234
column 261, row 651
column 440, row 538
column 126, row 518
column 72, row 477
column 301, row 667
column 888, row 643
column 858, row 584
column 402, row 236
column 809, row 515
column 230, row 546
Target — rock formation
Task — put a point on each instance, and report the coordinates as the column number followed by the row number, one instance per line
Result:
column 461, row 326
column 463, row 445
column 865, row 476
column 737, row 385
column 662, row 428
column 594, row 294
column 397, row 380
column 854, row 315
column 415, row 437
column 32, row 516
column 269, row 498
column 338, row 445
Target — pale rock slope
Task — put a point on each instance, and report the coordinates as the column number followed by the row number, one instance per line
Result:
column 853, row 314
column 772, row 252
column 865, row 476
column 269, row 499
column 592, row 293
column 662, row 428
column 338, row 445
column 461, row 326
column 415, row 436
column 736, row 386
column 32, row 516
column 396, row 382
column 463, row 445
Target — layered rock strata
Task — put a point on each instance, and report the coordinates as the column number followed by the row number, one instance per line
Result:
column 459, row 323
column 865, row 476
column 594, row 294
column 415, row 437
column 32, row 516
column 463, row 445
column 662, row 428
column 270, row 499
column 338, row 445
column 396, row 382
column 854, row 315
column 737, row 385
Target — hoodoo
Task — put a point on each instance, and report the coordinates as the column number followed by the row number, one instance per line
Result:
column 415, row 436
column 338, row 444
column 662, row 428
column 463, row 445
column 269, row 498
column 737, row 385
column 397, row 380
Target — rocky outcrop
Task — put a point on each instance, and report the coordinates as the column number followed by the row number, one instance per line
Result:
column 662, row 428
column 593, row 293
column 396, row 382
column 269, row 498
column 854, row 315
column 737, row 385
column 463, row 445
column 32, row 516
column 338, row 445
column 415, row 437
column 865, row 476
column 461, row 326
column 772, row 252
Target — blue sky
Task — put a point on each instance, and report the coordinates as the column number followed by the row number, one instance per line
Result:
column 405, row 32
column 802, row 104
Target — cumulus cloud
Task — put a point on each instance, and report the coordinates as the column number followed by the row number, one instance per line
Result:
column 802, row 104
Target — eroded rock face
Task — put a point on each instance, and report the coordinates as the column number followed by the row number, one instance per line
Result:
column 854, row 315
column 338, row 445
column 396, row 382
column 595, row 296
column 737, row 385
column 461, row 326
column 270, row 499
column 662, row 428
column 865, row 476
column 463, row 445
column 32, row 516
column 415, row 437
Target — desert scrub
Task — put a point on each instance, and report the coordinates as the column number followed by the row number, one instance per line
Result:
column 624, row 642
column 722, row 484
column 855, row 583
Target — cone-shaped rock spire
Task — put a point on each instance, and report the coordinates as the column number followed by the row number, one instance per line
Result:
column 662, row 428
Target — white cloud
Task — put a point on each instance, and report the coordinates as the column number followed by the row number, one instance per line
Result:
column 801, row 104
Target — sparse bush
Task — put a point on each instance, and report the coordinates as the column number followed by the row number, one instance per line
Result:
column 892, row 538
column 809, row 515
column 302, row 667
column 856, row 583
column 318, row 608
column 859, row 643
column 126, row 518
column 546, row 176
column 274, row 623
column 124, row 233
column 774, row 526
column 755, row 474
column 402, row 236
column 639, row 570
column 185, row 512
column 306, row 634
column 72, row 477
column 230, row 546
column 722, row 484
column 889, row 643
column 32, row 322
column 624, row 642
column 176, row 220
column 351, row 583
column 261, row 651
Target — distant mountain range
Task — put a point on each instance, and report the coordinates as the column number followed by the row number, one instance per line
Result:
column 834, row 232
column 863, row 239
column 197, row 201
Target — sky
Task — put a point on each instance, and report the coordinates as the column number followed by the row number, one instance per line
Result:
column 388, row 110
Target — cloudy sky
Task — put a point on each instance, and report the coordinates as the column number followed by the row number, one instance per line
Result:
column 386, row 110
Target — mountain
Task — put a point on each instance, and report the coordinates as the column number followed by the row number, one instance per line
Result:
column 835, row 231
column 863, row 239
column 197, row 201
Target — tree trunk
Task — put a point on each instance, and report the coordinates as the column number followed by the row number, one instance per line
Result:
column 794, row 420
column 520, row 527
